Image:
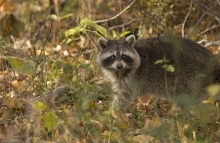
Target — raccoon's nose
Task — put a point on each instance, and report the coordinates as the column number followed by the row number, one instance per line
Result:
column 119, row 66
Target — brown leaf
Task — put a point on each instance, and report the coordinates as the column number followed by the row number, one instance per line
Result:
column 10, row 25
column 163, row 107
column 114, row 135
column 6, row 6
column 40, row 52
column 215, row 136
column 14, row 83
column 143, row 139
column 152, row 123
column 9, row 102
column 4, row 64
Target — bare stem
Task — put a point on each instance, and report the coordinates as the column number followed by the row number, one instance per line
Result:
column 183, row 26
column 105, row 20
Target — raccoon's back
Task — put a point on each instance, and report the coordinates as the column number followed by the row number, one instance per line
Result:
column 175, row 49
column 194, row 66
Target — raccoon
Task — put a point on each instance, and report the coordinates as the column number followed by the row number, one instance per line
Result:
column 140, row 67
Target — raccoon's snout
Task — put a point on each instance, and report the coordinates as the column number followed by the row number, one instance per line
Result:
column 119, row 66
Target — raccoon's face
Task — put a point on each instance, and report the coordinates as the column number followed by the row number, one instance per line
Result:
column 118, row 55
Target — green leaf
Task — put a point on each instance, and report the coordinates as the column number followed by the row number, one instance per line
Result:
column 50, row 121
column 39, row 106
column 124, row 33
column 213, row 90
column 87, row 22
column 97, row 33
column 158, row 62
column 169, row 68
column 115, row 34
column 102, row 30
column 28, row 67
column 108, row 112
column 66, row 16
column 53, row 17
column 74, row 31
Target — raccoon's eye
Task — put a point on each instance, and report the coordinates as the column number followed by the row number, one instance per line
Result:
column 123, row 56
column 112, row 57
column 127, row 59
column 108, row 61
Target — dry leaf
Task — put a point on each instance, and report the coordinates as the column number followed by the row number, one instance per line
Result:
column 6, row 6
column 40, row 52
column 14, row 83
column 114, row 135
column 10, row 102
column 143, row 139
column 152, row 123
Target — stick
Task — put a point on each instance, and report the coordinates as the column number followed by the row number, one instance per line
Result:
column 207, row 30
column 105, row 20
column 183, row 26
column 124, row 24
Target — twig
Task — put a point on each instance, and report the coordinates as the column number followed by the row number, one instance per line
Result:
column 206, row 43
column 93, row 43
column 197, row 23
column 38, row 29
column 218, row 19
column 54, row 94
column 159, row 19
column 184, row 22
column 153, row 18
column 44, row 44
column 201, row 17
column 202, row 6
column 105, row 20
column 124, row 24
column 218, row 2
column 37, row 25
column 207, row 30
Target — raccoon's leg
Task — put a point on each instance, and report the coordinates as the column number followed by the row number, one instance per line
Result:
column 115, row 102
column 116, row 91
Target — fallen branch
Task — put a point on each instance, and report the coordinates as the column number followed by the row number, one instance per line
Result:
column 55, row 94
column 206, row 43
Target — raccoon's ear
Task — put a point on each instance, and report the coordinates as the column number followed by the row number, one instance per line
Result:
column 130, row 40
column 102, row 42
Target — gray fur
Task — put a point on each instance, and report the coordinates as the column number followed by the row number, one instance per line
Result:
column 195, row 66
column 102, row 43
column 130, row 40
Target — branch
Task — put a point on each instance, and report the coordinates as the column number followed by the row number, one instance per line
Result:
column 202, row 7
column 124, row 24
column 55, row 94
column 206, row 43
column 197, row 23
column 153, row 18
column 105, row 20
column 183, row 25
column 201, row 17
column 207, row 30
